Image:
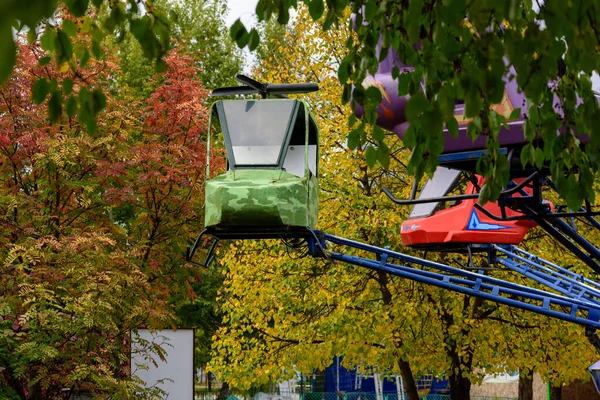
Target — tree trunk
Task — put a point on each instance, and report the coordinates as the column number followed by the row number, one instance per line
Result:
column 408, row 380
column 224, row 392
column 555, row 392
column 525, row 385
column 460, row 387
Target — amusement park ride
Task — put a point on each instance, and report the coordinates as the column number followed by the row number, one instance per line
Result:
column 271, row 190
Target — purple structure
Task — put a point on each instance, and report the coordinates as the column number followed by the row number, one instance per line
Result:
column 391, row 116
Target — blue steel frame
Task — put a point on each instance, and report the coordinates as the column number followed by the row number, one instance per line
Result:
column 560, row 230
column 577, row 310
column 572, row 285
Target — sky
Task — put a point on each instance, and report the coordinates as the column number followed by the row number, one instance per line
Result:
column 244, row 10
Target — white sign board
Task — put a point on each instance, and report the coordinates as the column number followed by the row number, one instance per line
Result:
column 175, row 374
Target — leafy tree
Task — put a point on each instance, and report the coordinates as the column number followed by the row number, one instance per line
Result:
column 94, row 225
column 70, row 291
column 466, row 58
column 198, row 29
column 200, row 26
column 59, row 24
column 285, row 314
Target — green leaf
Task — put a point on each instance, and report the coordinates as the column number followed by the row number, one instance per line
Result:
column 96, row 50
column 415, row 106
column 83, row 96
column 253, row 40
column 97, row 34
column 98, row 101
column 472, row 132
column 69, row 27
column 45, row 60
column 7, row 52
column 316, row 9
column 239, row 34
column 378, row 134
column 31, row 36
column 161, row 66
column 374, row 94
column 412, row 20
column 485, row 194
column 528, row 130
column 515, row 114
column 85, row 58
column 586, row 181
column 432, row 125
column 370, row 9
column 351, row 120
column 483, row 166
column 383, row 155
column 358, row 94
column 55, row 106
column 264, row 9
column 344, row 69
column 410, row 139
column 71, row 106
column 527, row 155
column 353, row 138
column 477, row 123
column 346, row 94
column 53, row 85
column 77, row 7
column 534, row 115
column 39, row 91
column 67, row 86
column 539, row 158
column 404, row 83
column 284, row 14
column 64, row 48
column 574, row 200
column 371, row 156
column 452, row 126
column 48, row 40
column 473, row 102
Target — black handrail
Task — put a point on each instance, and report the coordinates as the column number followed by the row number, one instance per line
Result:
column 507, row 192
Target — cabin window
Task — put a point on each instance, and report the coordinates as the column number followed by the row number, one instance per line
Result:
column 442, row 182
column 294, row 158
column 257, row 129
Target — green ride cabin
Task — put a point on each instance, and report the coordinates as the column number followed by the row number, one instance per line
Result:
column 271, row 186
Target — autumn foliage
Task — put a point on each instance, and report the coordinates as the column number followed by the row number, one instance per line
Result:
column 94, row 225
column 286, row 314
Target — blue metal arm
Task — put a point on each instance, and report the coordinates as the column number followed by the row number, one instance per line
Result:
column 572, row 285
column 580, row 311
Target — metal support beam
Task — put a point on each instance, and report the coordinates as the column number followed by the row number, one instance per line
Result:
column 579, row 311
column 572, row 285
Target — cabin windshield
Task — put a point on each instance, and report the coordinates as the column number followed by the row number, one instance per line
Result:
column 257, row 129
column 444, row 179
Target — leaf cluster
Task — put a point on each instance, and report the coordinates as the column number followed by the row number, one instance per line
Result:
column 71, row 33
column 467, row 51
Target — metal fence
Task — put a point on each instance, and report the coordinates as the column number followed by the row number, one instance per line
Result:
column 447, row 397
column 385, row 396
column 342, row 396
